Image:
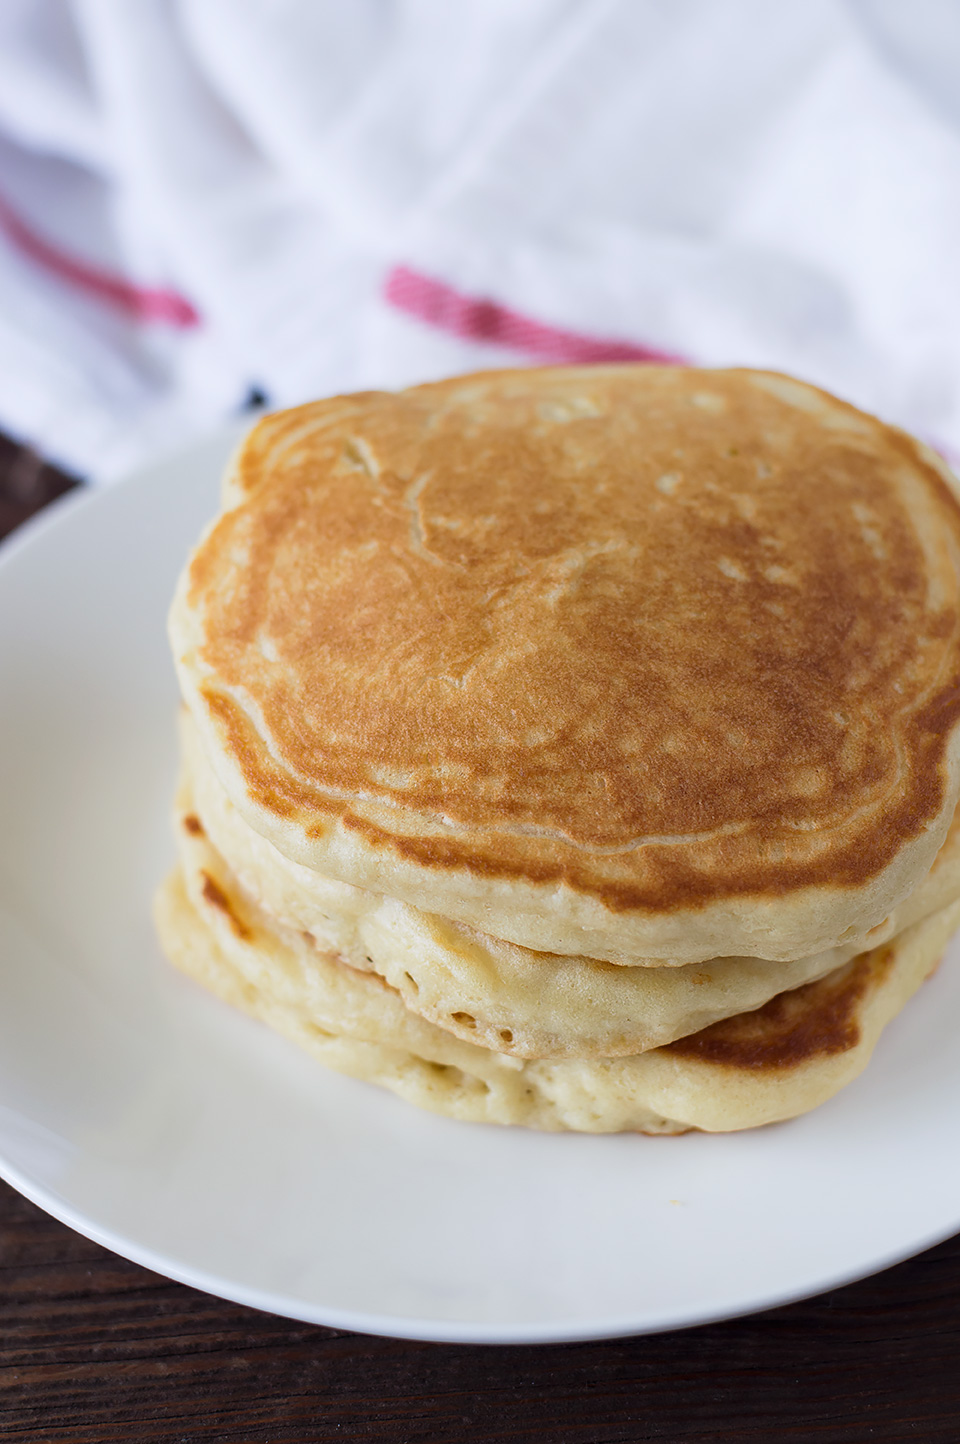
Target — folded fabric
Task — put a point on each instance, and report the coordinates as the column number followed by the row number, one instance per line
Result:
column 205, row 201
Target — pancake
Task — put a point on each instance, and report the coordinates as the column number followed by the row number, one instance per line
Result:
column 756, row 1068
column 502, row 996
column 640, row 664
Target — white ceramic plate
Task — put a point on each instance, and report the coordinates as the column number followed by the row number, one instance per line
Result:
column 155, row 1120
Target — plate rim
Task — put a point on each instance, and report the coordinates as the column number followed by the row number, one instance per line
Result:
column 29, row 536
column 436, row 1331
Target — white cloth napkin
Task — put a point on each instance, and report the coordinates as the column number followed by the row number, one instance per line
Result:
column 205, row 198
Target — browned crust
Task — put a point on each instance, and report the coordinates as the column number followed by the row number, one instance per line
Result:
column 814, row 1021
column 753, row 679
column 214, row 894
column 672, row 878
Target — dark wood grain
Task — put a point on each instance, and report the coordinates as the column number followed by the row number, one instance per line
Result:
column 93, row 1348
column 27, row 483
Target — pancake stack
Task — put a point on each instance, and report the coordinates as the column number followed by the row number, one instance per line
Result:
column 576, row 748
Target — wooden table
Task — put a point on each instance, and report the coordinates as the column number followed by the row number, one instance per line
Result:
column 93, row 1348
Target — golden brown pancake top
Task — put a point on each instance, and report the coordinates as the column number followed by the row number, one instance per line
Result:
column 659, row 634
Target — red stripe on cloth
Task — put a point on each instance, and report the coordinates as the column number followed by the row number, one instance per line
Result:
column 475, row 318
column 144, row 303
